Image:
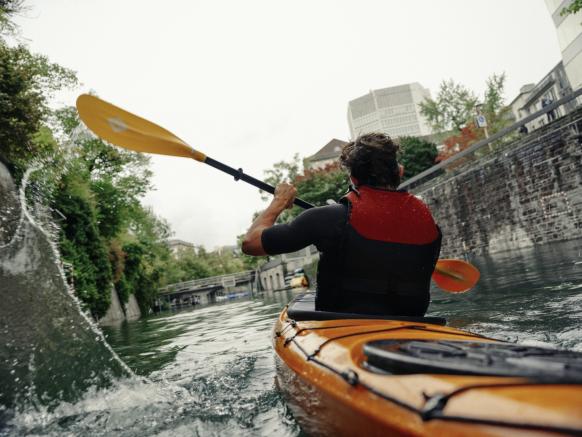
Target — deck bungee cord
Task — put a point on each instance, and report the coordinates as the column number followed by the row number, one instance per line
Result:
column 293, row 323
column 435, row 404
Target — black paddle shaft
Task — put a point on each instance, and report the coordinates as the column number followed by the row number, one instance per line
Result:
column 239, row 174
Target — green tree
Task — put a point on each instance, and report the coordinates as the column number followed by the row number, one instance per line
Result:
column 8, row 8
column 145, row 257
column 454, row 105
column 572, row 8
column 416, row 155
column 141, row 275
column 314, row 186
column 82, row 246
column 322, row 185
column 107, row 235
column 224, row 263
column 494, row 108
column 455, row 108
column 118, row 178
column 282, row 171
column 191, row 265
column 27, row 82
column 198, row 263
column 148, row 227
column 113, row 182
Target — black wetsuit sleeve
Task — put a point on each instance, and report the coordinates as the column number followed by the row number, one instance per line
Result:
column 319, row 226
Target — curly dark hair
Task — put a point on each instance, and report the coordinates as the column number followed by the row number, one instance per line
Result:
column 371, row 159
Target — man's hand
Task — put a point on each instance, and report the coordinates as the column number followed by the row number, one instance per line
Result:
column 285, row 195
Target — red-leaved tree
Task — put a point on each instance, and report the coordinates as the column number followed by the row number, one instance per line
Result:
column 457, row 143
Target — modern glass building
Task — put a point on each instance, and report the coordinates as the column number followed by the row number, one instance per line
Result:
column 393, row 111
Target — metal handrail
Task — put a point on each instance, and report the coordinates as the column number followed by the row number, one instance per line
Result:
column 206, row 281
column 491, row 139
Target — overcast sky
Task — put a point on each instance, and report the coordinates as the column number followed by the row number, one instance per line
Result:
column 251, row 83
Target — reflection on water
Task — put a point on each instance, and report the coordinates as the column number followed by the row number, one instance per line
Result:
column 210, row 370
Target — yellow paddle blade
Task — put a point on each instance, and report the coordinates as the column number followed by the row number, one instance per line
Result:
column 129, row 131
column 455, row 275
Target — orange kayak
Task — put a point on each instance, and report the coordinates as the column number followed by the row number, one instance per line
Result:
column 345, row 374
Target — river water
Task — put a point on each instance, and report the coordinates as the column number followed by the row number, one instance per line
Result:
column 210, row 371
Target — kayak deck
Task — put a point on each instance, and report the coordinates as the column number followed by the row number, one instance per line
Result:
column 333, row 390
column 303, row 308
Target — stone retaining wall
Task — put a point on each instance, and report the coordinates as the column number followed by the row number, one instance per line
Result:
column 527, row 193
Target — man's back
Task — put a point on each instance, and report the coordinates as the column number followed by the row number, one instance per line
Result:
column 378, row 250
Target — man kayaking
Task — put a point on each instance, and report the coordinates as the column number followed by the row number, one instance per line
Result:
column 378, row 246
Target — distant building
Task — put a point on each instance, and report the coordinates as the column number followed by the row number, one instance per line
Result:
column 301, row 258
column 223, row 250
column 532, row 98
column 178, row 246
column 569, row 33
column 518, row 103
column 272, row 274
column 328, row 154
column 393, row 111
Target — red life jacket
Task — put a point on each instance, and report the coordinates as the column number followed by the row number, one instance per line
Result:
column 386, row 256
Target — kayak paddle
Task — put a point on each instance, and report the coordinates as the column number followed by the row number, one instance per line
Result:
column 455, row 275
column 129, row 131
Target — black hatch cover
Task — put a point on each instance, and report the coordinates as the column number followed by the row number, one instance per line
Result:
column 473, row 358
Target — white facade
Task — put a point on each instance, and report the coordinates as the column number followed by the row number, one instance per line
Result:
column 178, row 246
column 393, row 111
column 569, row 32
column 273, row 277
column 272, row 274
column 518, row 103
column 531, row 98
column 325, row 156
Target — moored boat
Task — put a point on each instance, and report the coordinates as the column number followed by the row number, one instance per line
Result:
column 348, row 374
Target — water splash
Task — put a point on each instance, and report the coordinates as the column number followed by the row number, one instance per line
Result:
column 213, row 386
column 51, row 351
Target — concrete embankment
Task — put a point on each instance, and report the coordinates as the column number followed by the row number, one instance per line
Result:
column 117, row 313
column 526, row 193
